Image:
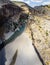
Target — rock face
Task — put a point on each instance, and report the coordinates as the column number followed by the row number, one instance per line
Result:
column 4, row 2
column 10, row 15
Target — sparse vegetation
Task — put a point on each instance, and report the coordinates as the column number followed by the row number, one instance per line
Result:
column 46, row 33
column 44, row 12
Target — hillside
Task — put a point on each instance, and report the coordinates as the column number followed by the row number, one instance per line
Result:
column 38, row 28
column 43, row 9
column 37, row 10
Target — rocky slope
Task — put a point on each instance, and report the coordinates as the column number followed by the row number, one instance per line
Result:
column 41, row 32
column 38, row 29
